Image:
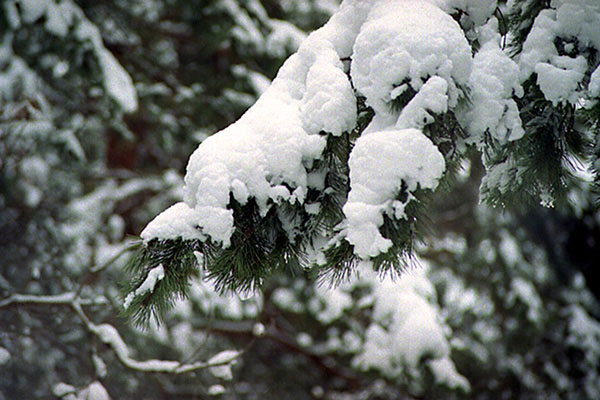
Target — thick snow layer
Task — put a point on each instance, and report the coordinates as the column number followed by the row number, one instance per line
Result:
column 154, row 276
column 379, row 163
column 176, row 221
column 270, row 148
column 560, row 76
column 407, row 42
column 267, row 153
column 494, row 81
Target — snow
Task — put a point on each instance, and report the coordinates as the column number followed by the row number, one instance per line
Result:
column 227, row 358
column 176, row 221
column 432, row 97
column 445, row 372
column 478, row 11
column 117, row 82
column 594, row 86
column 154, row 276
column 494, row 81
column 258, row 329
column 560, row 82
column 379, row 163
column 408, row 42
column 267, row 154
column 560, row 76
column 108, row 334
column 405, row 327
column 526, row 293
column 59, row 19
column 4, row 356
column 62, row 389
column 216, row 390
column 95, row 391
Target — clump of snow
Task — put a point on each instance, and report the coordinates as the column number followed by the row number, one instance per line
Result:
column 95, row 391
column 117, row 82
column 267, row 154
column 4, row 356
column 494, row 81
column 379, row 163
column 408, row 42
column 227, row 358
column 405, row 327
column 258, row 329
column 328, row 94
column 560, row 76
column 594, row 86
column 329, row 304
column 445, row 372
column 525, row 292
column 62, row 389
column 432, row 97
column 216, row 390
column 584, row 332
column 176, row 221
column 154, row 276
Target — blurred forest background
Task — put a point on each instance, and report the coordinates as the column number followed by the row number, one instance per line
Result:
column 86, row 162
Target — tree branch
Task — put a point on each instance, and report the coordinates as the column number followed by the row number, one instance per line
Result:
column 59, row 299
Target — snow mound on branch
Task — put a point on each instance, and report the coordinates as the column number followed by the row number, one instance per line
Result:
column 267, row 154
column 406, row 327
column 379, row 163
column 494, row 81
column 408, row 42
column 559, row 76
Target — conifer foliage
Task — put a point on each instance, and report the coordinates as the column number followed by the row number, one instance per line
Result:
column 334, row 164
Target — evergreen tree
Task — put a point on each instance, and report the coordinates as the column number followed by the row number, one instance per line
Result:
column 340, row 215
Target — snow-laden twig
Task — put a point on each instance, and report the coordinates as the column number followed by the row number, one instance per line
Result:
column 109, row 335
column 59, row 299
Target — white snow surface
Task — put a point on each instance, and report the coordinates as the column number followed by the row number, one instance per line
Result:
column 227, row 358
column 266, row 154
column 405, row 326
column 95, row 391
column 154, row 276
column 494, row 81
column 559, row 76
column 594, row 86
column 176, row 221
column 379, row 163
column 408, row 41
column 62, row 389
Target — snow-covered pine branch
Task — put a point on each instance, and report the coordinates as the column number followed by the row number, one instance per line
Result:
column 334, row 162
